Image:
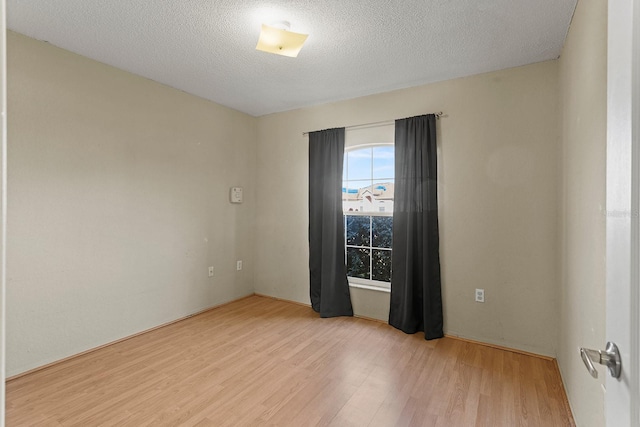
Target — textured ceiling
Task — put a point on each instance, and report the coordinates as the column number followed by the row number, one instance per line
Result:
column 355, row 48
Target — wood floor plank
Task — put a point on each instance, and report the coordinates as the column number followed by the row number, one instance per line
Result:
column 265, row 362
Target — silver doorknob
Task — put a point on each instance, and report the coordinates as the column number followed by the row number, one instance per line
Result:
column 609, row 357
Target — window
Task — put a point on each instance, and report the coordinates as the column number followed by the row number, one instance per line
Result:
column 367, row 204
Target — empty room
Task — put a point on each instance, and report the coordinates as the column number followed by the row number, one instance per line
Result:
column 298, row 213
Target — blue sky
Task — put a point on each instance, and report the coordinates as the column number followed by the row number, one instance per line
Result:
column 358, row 166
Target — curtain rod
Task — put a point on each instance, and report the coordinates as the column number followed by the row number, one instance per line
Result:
column 376, row 124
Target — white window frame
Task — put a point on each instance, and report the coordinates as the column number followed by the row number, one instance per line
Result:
column 357, row 282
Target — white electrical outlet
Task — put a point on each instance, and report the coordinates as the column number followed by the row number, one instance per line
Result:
column 239, row 265
column 210, row 271
column 479, row 295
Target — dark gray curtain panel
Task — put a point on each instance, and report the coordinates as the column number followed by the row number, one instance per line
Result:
column 329, row 288
column 416, row 301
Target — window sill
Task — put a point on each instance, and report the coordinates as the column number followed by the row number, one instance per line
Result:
column 369, row 287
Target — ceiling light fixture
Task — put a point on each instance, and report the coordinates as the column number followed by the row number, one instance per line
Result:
column 276, row 38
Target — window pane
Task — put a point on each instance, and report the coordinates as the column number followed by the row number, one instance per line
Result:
column 368, row 200
column 358, row 231
column 383, row 162
column 381, row 265
column 346, row 194
column 382, row 231
column 353, row 195
column 358, row 263
column 383, row 193
column 344, row 168
column 359, row 166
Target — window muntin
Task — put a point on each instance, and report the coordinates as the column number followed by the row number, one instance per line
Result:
column 367, row 200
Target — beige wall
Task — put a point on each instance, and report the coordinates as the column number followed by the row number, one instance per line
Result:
column 118, row 204
column 499, row 179
column 583, row 79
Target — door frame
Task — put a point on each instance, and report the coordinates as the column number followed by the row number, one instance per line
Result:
column 623, row 209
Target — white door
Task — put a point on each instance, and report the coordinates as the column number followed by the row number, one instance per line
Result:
column 622, row 397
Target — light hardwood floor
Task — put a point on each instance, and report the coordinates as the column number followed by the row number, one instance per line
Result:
column 260, row 361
